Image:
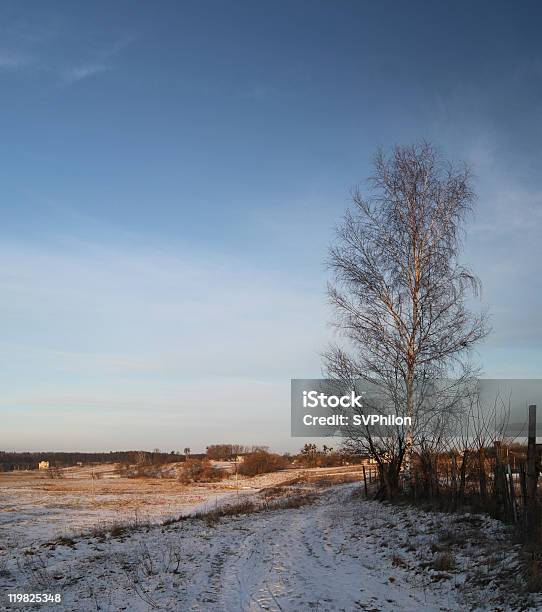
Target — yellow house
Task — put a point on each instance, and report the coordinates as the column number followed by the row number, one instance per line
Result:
column 43, row 465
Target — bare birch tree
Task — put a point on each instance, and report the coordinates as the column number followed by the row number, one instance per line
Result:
column 399, row 291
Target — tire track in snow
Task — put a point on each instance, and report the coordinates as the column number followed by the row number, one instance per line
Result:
column 285, row 550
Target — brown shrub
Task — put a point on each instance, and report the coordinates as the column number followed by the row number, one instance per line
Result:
column 310, row 456
column 199, row 470
column 444, row 562
column 117, row 530
column 330, row 460
column 262, row 462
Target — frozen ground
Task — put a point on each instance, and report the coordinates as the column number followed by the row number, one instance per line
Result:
column 339, row 553
column 35, row 508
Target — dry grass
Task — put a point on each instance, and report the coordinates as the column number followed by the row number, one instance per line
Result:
column 62, row 541
column 359, row 493
column 444, row 562
column 452, row 538
column 330, row 480
column 4, row 572
column 116, row 529
column 398, row 561
column 81, row 502
column 213, row 516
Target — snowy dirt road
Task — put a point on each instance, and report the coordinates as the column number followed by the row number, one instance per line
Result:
column 339, row 553
column 302, row 560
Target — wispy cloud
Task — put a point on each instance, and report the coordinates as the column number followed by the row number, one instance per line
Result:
column 100, row 60
column 170, row 312
column 13, row 61
column 85, row 58
column 78, row 73
column 199, row 338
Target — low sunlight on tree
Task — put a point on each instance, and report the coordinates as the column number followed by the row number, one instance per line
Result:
column 400, row 293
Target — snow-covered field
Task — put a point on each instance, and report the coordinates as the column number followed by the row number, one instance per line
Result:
column 35, row 508
column 341, row 552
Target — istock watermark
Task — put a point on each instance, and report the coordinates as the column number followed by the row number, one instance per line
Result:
column 324, row 407
column 356, row 419
column 316, row 399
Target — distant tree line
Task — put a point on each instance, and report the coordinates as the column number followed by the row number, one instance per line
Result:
column 254, row 456
column 29, row 461
column 312, row 456
column 228, row 452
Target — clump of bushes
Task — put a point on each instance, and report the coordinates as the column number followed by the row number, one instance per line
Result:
column 311, row 456
column 228, row 452
column 199, row 470
column 444, row 562
column 262, row 462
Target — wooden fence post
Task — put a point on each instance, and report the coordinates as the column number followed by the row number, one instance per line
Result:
column 532, row 475
column 523, row 486
column 512, row 493
column 498, row 480
column 454, row 479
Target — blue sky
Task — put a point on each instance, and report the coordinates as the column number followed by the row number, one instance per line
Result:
column 171, row 177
